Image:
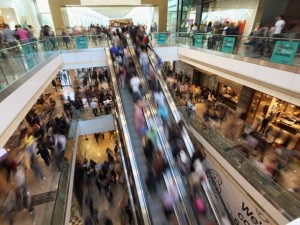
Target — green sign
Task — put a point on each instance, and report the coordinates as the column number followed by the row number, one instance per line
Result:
column 161, row 39
column 28, row 55
column 81, row 42
column 284, row 52
column 198, row 40
column 228, row 44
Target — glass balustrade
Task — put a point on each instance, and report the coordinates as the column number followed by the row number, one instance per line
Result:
column 18, row 60
column 278, row 50
column 281, row 198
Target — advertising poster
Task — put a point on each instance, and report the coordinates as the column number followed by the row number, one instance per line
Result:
column 241, row 209
column 198, row 40
column 228, row 44
column 161, row 39
column 284, row 52
column 81, row 42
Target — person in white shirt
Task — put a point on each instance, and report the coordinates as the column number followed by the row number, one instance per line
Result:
column 135, row 83
column 60, row 147
column 94, row 106
column 279, row 24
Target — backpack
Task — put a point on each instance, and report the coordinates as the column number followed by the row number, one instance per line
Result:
column 59, row 146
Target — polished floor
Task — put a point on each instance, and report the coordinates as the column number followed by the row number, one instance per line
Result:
column 91, row 150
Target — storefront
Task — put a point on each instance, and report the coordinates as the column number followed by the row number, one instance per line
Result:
column 227, row 90
column 280, row 113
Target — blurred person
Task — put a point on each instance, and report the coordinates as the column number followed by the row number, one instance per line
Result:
column 152, row 135
column 135, row 87
column 159, row 97
column 9, row 36
column 43, row 151
column 139, row 120
column 129, row 212
column 94, row 106
column 151, row 181
column 23, row 197
column 115, row 39
column 163, row 112
column 49, row 35
column 264, row 125
column 31, row 146
column 278, row 27
column 149, row 151
column 22, row 34
column 66, row 38
column 32, row 38
column 169, row 198
column 121, row 74
column 60, row 147
column 9, row 206
column 144, row 60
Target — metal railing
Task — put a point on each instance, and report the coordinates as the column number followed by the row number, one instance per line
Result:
column 133, row 162
column 259, row 179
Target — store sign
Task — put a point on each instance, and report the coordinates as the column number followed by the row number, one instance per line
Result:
column 241, row 209
column 228, row 44
column 28, row 55
column 198, row 40
column 284, row 52
column 161, row 39
column 81, row 42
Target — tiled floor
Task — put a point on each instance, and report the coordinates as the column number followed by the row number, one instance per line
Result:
column 90, row 149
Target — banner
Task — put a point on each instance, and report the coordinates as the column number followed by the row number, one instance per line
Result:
column 284, row 52
column 239, row 206
column 198, row 40
column 228, row 44
column 81, row 42
column 161, row 39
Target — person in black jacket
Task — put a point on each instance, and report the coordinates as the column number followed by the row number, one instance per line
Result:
column 43, row 151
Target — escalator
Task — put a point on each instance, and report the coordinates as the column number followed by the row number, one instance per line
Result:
column 215, row 213
column 184, row 209
column 151, row 208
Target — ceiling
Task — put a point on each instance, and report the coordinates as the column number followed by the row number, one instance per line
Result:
column 113, row 12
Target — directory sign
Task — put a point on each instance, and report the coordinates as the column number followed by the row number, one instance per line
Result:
column 161, row 39
column 198, row 40
column 284, row 52
column 228, row 44
column 81, row 42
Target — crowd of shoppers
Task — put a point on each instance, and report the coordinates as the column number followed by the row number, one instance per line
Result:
column 42, row 133
column 157, row 163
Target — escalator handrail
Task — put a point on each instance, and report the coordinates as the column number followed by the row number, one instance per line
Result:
column 188, row 142
column 166, row 147
column 133, row 163
column 117, row 125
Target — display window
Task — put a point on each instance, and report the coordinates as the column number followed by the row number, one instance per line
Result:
column 229, row 95
column 280, row 113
